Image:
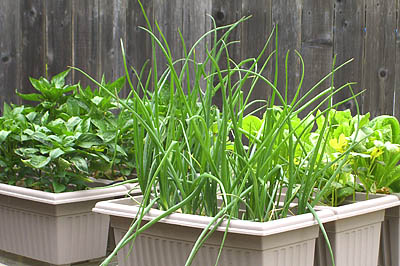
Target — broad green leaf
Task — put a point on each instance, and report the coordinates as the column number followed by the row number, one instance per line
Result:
column 45, row 118
column 251, row 124
column 88, row 140
column 84, row 126
column 59, row 79
column 63, row 164
column 6, row 110
column 41, row 137
column 3, row 135
column 26, row 152
column 35, row 97
column 57, row 126
column 100, row 124
column 56, row 153
column 69, row 88
column 73, row 107
column 37, row 85
column 58, row 187
column 80, row 164
column 37, row 161
column 97, row 100
column 72, row 122
column 31, row 116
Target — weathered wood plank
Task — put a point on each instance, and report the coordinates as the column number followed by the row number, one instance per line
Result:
column 379, row 64
column 169, row 16
column 32, row 14
column 112, row 28
column 58, row 36
column 138, row 42
column 195, row 24
column 287, row 17
column 85, row 45
column 317, row 44
column 349, row 25
column 255, row 32
column 397, row 67
column 225, row 13
column 9, row 51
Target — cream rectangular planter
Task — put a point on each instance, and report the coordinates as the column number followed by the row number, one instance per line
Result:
column 285, row 242
column 355, row 233
column 390, row 238
column 54, row 228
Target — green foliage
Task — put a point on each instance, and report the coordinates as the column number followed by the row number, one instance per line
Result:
column 372, row 164
column 70, row 135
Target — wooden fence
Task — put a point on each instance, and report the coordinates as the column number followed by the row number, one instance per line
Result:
column 86, row 33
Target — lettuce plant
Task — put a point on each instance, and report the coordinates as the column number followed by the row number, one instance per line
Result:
column 372, row 164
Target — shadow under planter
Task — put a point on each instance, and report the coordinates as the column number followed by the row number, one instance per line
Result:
column 284, row 242
column 54, row 228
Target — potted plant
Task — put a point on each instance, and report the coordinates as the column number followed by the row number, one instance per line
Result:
column 203, row 170
column 371, row 167
column 51, row 154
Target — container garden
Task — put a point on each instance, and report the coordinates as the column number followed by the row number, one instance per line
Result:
column 54, row 228
column 355, row 232
column 284, row 242
column 190, row 154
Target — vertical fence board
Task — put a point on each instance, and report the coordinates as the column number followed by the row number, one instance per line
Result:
column 58, row 36
column 255, row 32
column 397, row 67
column 33, row 42
column 9, row 53
column 138, row 46
column 349, row 25
column 379, row 64
column 164, row 11
column 85, row 39
column 288, row 20
column 226, row 13
column 112, row 28
column 317, row 44
column 195, row 24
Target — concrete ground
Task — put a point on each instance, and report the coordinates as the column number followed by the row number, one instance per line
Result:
column 8, row 259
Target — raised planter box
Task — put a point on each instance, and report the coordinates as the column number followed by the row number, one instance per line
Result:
column 285, row 242
column 390, row 239
column 355, row 233
column 54, row 228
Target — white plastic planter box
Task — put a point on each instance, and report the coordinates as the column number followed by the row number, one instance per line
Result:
column 355, row 233
column 285, row 242
column 390, row 239
column 54, row 228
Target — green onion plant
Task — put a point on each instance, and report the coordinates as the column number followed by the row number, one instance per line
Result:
column 191, row 154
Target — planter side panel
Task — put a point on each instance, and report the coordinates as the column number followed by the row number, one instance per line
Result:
column 353, row 242
column 27, row 234
column 390, row 238
column 169, row 251
column 82, row 237
column 56, row 240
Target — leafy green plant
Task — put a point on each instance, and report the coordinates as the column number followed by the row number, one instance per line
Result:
column 372, row 164
column 70, row 135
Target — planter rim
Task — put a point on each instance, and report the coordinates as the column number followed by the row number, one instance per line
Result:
column 121, row 208
column 65, row 197
column 363, row 207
